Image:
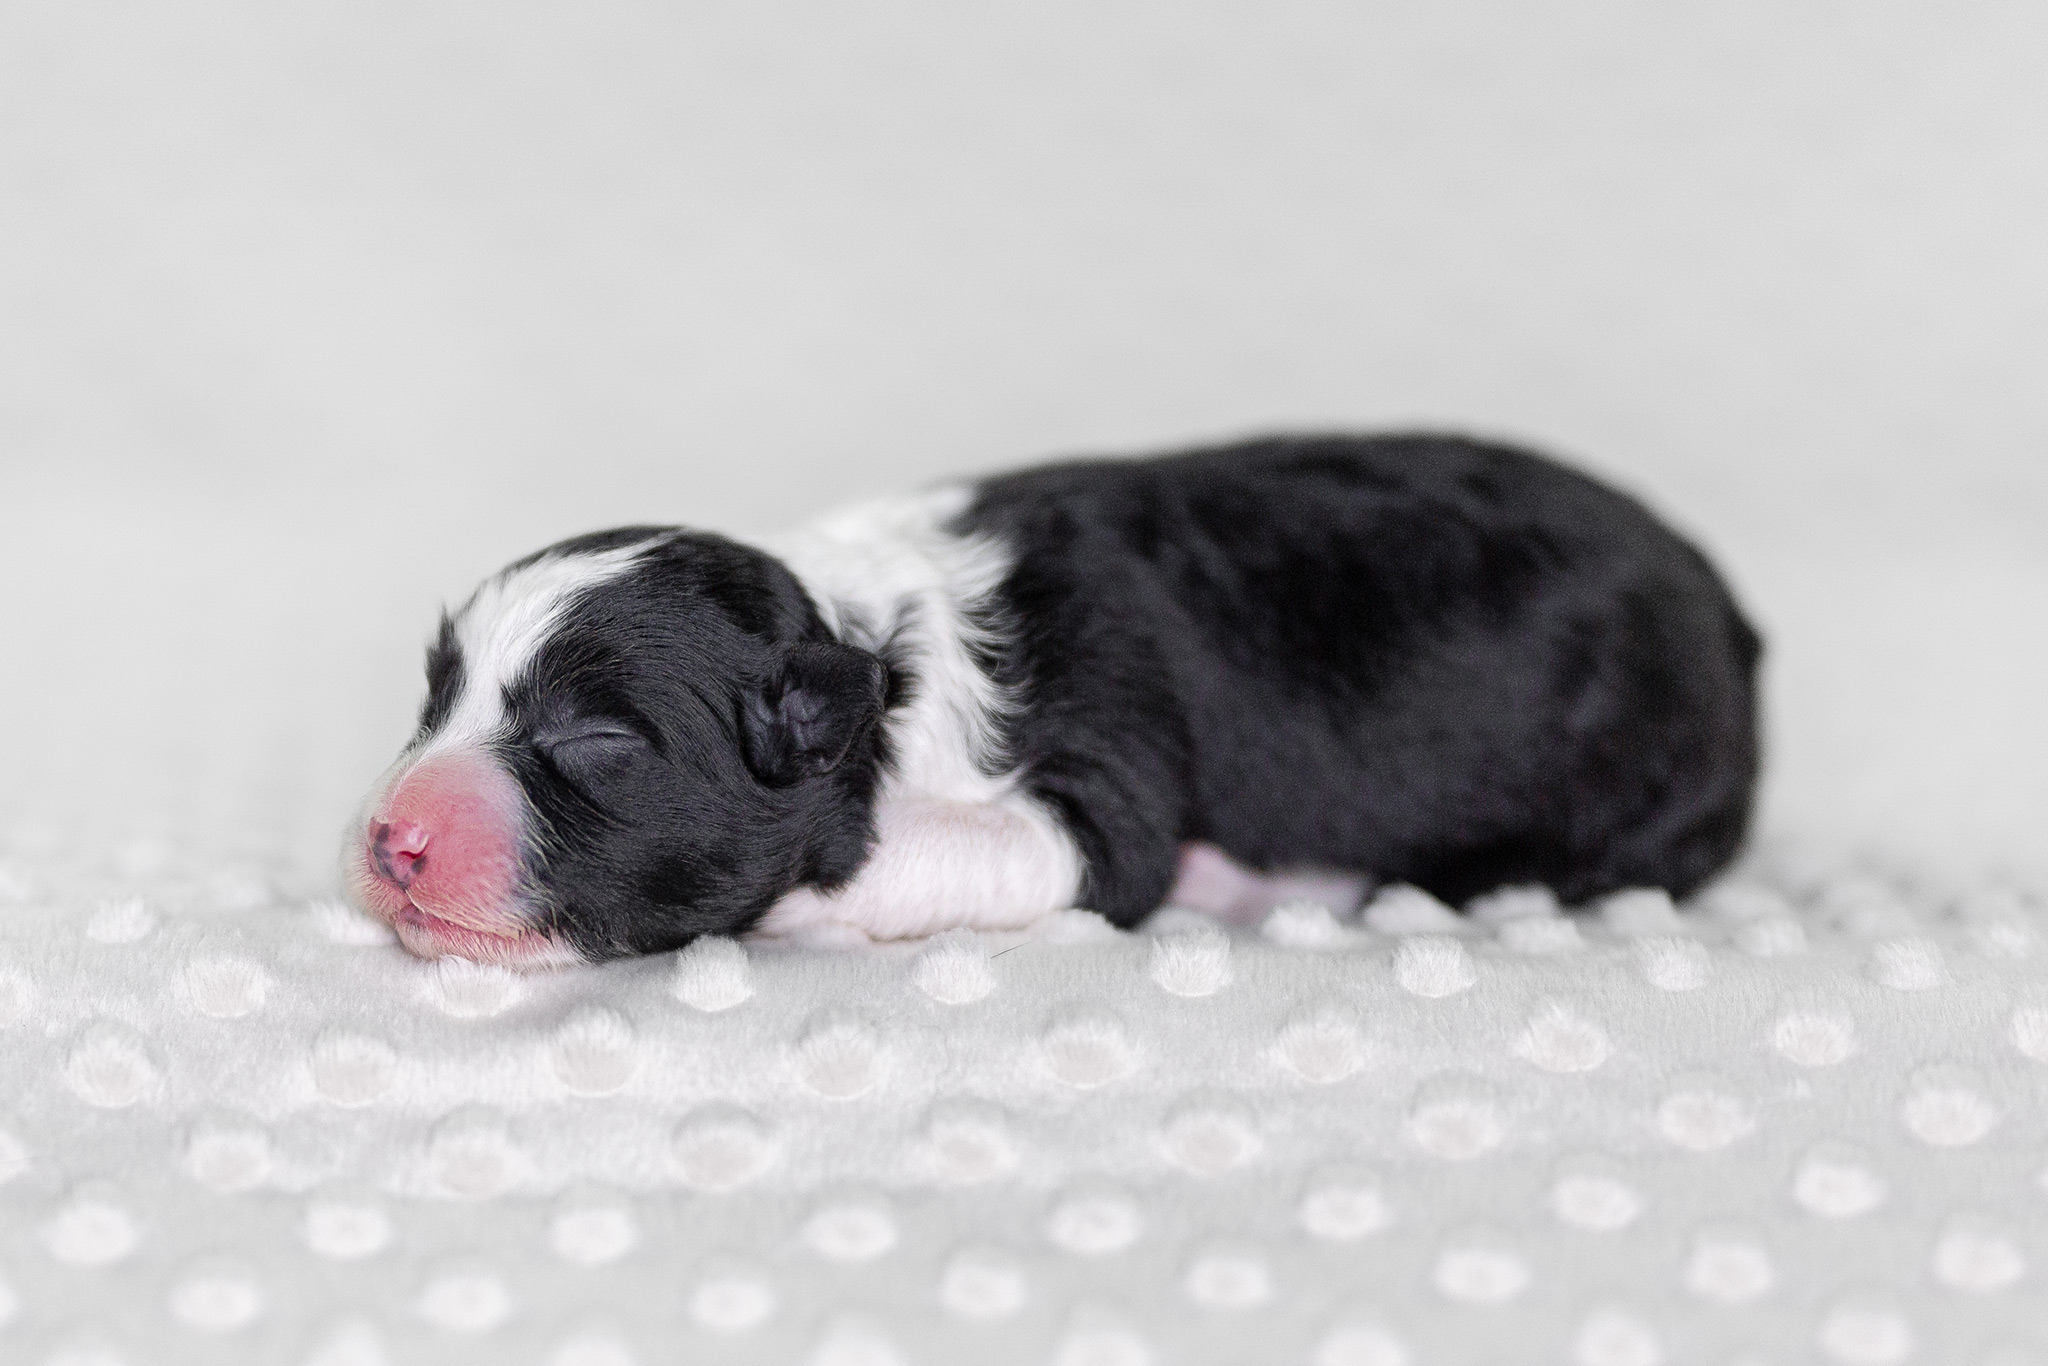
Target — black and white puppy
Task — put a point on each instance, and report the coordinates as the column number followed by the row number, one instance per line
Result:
column 1411, row 658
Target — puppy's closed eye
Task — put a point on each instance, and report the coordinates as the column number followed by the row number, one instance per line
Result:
column 592, row 751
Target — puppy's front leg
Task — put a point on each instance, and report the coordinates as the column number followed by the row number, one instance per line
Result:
column 940, row 865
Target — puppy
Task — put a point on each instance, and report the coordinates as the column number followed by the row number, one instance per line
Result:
column 1406, row 659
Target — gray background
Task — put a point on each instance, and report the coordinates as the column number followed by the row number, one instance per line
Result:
column 310, row 316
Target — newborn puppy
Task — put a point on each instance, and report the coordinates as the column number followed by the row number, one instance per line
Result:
column 1415, row 659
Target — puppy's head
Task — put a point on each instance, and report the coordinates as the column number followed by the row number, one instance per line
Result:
column 629, row 739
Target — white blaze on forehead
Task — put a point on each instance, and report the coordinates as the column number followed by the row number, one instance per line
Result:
column 505, row 622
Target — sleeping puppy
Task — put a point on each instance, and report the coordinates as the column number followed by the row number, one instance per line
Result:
column 1212, row 678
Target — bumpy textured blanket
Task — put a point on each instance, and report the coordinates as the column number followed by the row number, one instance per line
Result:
column 1801, row 1120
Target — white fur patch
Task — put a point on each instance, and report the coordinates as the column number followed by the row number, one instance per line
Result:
column 957, row 846
column 501, row 626
column 940, row 865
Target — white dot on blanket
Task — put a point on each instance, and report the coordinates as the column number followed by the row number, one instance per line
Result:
column 1540, row 936
column 954, row 969
column 1597, row 1203
column 144, row 857
column 2030, row 1031
column 1209, row 1138
column 1705, row 1116
column 216, row 1297
column 473, row 991
column 110, row 1066
column 1863, row 906
column 122, row 921
column 1866, row 1333
column 1775, row 936
column 1322, row 1045
column 721, row 1147
column 2011, row 939
column 1482, row 1272
column 968, row 1142
column 92, row 1228
column 17, row 995
column 1455, row 1118
column 1302, row 925
column 1342, row 1206
column 732, row 1300
column 1192, row 962
column 1673, row 963
column 1739, row 903
column 838, row 1057
column 1508, row 904
column 1613, row 1337
column 1640, row 913
column 228, row 1154
column 1728, row 1268
column 1360, row 1344
column 470, row 1153
column 1094, row 1222
column 1434, row 966
column 592, row 1229
column 594, row 1053
column 1228, row 1277
column 982, row 1283
column 14, row 1158
column 352, row 1070
column 1835, row 1181
column 465, row 1300
column 856, row 1228
column 340, row 923
column 226, row 988
column 239, row 889
column 351, row 1343
column 712, row 974
column 1401, row 909
column 345, row 1227
column 10, row 1304
column 1088, row 1048
column 1076, row 927
column 1557, row 1039
column 1976, row 1258
column 1908, row 964
column 1815, row 1037
column 1945, row 1110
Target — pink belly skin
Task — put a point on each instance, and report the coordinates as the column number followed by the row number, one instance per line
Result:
column 1210, row 881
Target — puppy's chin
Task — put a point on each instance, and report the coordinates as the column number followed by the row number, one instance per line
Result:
column 426, row 935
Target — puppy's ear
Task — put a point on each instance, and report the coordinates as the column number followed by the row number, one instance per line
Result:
column 819, row 700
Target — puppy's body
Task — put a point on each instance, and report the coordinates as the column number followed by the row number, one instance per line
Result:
column 1412, row 659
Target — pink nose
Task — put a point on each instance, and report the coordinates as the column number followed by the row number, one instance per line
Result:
column 397, row 850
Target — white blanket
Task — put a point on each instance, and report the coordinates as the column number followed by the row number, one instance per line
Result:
column 312, row 315
column 1801, row 1121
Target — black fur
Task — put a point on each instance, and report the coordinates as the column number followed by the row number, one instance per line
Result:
column 820, row 701
column 1427, row 659
column 633, row 732
column 1419, row 658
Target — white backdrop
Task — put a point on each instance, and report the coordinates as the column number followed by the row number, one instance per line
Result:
column 309, row 316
